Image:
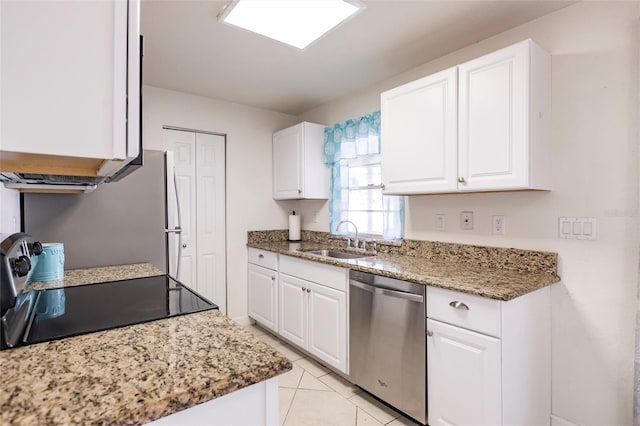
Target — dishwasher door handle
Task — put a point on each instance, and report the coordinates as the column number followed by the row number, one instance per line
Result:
column 386, row 292
column 361, row 285
column 400, row 295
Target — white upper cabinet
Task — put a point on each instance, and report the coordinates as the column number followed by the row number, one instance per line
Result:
column 505, row 120
column 419, row 133
column 490, row 128
column 299, row 171
column 67, row 70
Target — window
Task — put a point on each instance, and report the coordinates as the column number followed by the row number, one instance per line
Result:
column 357, row 196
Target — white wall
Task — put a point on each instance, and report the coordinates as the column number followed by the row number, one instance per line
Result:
column 250, row 205
column 595, row 157
column 9, row 210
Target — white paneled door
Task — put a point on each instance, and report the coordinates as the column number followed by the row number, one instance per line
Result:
column 199, row 160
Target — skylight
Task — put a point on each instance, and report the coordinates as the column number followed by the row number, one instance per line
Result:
column 294, row 22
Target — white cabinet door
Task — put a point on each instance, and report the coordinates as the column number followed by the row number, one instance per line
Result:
column 419, row 135
column 463, row 374
column 328, row 325
column 494, row 120
column 298, row 163
column 292, row 323
column 263, row 296
column 287, row 163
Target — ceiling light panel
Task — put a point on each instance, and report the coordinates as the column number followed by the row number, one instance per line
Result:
column 294, row 22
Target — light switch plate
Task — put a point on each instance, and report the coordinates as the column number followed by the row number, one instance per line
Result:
column 440, row 221
column 577, row 228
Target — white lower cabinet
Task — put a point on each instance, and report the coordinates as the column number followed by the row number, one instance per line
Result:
column 313, row 315
column 488, row 361
column 463, row 376
column 293, row 310
column 263, row 288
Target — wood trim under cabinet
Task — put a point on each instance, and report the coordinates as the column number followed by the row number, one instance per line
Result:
column 18, row 162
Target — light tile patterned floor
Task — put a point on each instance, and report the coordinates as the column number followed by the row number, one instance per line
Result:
column 311, row 395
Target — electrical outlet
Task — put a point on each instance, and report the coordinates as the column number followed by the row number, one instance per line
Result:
column 315, row 217
column 466, row 220
column 499, row 224
column 439, row 222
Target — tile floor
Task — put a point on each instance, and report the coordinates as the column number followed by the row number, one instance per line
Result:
column 310, row 394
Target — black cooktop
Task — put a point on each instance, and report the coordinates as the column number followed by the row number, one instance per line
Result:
column 70, row 311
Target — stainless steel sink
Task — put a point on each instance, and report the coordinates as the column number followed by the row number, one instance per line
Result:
column 336, row 254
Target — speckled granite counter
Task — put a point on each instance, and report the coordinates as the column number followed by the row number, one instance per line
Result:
column 501, row 274
column 75, row 277
column 134, row 374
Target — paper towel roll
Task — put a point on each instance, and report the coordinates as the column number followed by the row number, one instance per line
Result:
column 294, row 227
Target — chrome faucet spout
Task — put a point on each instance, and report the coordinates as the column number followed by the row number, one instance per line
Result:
column 354, row 226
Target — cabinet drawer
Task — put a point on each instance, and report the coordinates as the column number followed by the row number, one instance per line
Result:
column 481, row 314
column 327, row 275
column 263, row 258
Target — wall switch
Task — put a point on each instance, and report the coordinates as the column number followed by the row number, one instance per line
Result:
column 577, row 228
column 466, row 220
column 315, row 217
column 498, row 224
column 439, row 222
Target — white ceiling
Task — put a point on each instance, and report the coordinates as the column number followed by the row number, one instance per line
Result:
column 188, row 50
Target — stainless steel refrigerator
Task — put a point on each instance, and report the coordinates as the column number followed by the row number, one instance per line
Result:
column 124, row 222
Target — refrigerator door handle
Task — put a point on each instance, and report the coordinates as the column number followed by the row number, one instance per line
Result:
column 179, row 227
column 171, row 180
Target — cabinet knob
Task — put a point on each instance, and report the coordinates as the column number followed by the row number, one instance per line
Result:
column 382, row 186
column 261, row 256
column 308, row 291
column 461, row 179
column 429, row 333
column 303, row 289
column 273, row 278
column 459, row 305
column 299, row 191
column 184, row 246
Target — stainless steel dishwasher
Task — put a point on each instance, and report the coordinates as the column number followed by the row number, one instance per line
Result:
column 387, row 341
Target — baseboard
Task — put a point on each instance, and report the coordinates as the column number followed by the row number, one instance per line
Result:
column 243, row 321
column 559, row 421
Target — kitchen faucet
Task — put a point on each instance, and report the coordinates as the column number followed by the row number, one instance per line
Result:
column 349, row 239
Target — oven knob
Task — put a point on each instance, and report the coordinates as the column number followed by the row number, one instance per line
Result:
column 21, row 266
column 36, row 248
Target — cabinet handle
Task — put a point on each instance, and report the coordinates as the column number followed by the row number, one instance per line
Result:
column 461, row 179
column 429, row 333
column 261, row 256
column 459, row 305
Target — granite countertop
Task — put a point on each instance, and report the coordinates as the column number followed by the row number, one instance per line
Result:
column 486, row 281
column 134, row 374
column 74, row 277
